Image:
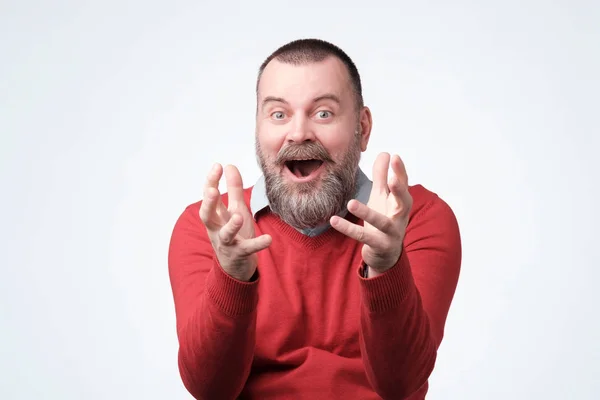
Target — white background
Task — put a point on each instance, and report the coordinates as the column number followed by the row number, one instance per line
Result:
column 112, row 113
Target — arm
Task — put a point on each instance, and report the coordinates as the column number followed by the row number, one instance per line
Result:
column 216, row 314
column 405, row 308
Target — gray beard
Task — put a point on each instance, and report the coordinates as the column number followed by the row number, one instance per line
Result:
column 311, row 204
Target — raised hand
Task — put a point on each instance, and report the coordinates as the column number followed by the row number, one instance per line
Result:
column 385, row 216
column 231, row 228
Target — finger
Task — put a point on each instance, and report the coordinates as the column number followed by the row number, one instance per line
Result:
column 212, row 209
column 356, row 232
column 235, row 188
column 380, row 173
column 230, row 229
column 399, row 169
column 222, row 211
column 399, row 185
column 254, row 245
column 209, row 206
column 213, row 177
column 211, row 201
column 367, row 214
column 211, row 191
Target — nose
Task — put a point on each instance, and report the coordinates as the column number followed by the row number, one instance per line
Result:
column 300, row 131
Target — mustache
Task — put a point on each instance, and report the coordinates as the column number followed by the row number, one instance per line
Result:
column 308, row 151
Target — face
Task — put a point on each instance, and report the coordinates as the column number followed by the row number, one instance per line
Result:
column 309, row 137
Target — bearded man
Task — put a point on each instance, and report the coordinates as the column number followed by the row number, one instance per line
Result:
column 315, row 282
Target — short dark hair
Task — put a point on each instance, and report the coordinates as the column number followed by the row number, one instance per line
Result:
column 303, row 51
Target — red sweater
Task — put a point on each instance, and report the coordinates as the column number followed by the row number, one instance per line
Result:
column 310, row 327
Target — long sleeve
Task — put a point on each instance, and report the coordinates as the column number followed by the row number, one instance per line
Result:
column 216, row 314
column 404, row 310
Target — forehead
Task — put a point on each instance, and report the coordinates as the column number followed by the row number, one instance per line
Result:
column 298, row 83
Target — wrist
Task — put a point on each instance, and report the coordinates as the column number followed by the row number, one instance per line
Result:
column 244, row 277
column 373, row 273
column 369, row 271
column 243, row 271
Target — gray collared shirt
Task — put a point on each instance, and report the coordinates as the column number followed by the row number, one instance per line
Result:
column 259, row 201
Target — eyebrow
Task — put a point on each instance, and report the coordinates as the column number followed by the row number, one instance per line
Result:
column 273, row 99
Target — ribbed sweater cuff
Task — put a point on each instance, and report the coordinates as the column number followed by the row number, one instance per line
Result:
column 233, row 297
column 388, row 290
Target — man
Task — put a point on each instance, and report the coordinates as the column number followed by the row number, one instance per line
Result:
column 315, row 283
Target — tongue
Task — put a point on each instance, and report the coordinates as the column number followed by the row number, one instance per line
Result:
column 305, row 167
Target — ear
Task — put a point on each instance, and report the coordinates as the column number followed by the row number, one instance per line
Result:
column 366, row 123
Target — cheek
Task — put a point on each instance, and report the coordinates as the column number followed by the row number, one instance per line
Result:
column 270, row 144
column 337, row 145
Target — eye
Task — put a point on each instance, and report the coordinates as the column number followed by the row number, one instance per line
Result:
column 278, row 115
column 323, row 114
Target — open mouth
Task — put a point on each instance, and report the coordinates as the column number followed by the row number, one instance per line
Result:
column 303, row 168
